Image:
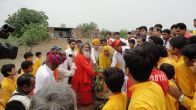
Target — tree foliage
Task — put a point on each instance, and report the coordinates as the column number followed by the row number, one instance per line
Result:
column 104, row 32
column 87, row 26
column 30, row 25
column 24, row 17
column 34, row 34
column 123, row 33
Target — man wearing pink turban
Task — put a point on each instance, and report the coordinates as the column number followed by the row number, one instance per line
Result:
column 44, row 75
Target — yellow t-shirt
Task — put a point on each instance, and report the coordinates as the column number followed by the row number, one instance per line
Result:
column 194, row 32
column 189, row 103
column 9, row 86
column 174, row 57
column 166, row 60
column 2, row 100
column 185, row 78
column 147, row 96
column 171, row 102
column 192, row 102
column 36, row 65
column 116, row 102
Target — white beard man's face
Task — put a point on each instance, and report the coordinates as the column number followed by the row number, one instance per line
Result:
column 86, row 53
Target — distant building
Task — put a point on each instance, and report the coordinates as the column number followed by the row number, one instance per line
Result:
column 58, row 32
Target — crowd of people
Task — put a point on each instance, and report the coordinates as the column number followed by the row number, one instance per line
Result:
column 151, row 69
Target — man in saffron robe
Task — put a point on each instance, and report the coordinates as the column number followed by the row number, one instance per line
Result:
column 82, row 80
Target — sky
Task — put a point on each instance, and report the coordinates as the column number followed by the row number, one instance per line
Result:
column 113, row 15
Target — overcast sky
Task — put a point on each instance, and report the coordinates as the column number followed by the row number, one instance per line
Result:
column 109, row 14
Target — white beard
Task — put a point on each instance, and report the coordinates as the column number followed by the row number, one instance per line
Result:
column 86, row 54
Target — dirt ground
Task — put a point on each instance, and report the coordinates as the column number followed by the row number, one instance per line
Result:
column 44, row 47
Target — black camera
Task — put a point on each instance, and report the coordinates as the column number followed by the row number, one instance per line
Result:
column 7, row 50
column 70, row 55
column 6, row 30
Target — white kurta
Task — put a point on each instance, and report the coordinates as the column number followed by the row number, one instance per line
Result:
column 118, row 58
column 64, row 73
column 44, row 77
column 95, row 55
column 68, row 52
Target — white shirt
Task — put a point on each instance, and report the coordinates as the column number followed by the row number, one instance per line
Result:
column 147, row 38
column 125, row 48
column 123, row 40
column 68, row 52
column 44, row 77
column 64, row 73
column 95, row 55
column 110, row 39
column 166, row 43
column 24, row 99
column 118, row 58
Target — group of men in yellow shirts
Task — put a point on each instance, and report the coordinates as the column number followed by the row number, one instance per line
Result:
column 179, row 65
column 9, row 82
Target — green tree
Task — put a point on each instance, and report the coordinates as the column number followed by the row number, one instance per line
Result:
column 123, row 33
column 87, row 26
column 25, row 17
column 104, row 32
column 34, row 34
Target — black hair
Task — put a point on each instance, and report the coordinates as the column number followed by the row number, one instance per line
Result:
column 166, row 31
column 114, row 79
column 192, row 40
column 159, row 42
column 24, row 79
column 139, row 63
column 158, row 29
column 156, row 40
column 28, row 54
column 79, row 41
column 194, row 19
column 103, row 40
column 143, row 27
column 38, row 54
column 173, row 26
column 162, row 51
column 159, row 26
column 131, row 41
column 168, row 69
column 181, row 26
column 189, row 51
column 15, row 105
column 178, row 42
column 141, row 37
column 108, row 33
column 71, row 40
column 117, row 33
column 26, row 64
column 151, row 50
column 151, row 28
column 5, row 69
